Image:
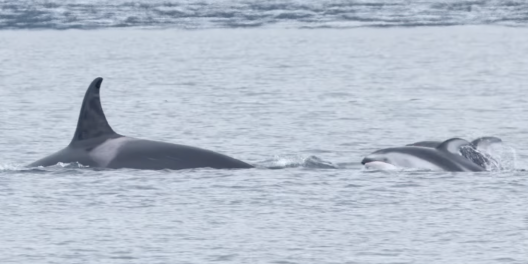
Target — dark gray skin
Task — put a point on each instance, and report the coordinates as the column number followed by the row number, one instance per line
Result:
column 443, row 157
column 474, row 152
column 95, row 144
column 475, row 143
column 427, row 144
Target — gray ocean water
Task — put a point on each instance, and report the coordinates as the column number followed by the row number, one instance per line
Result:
column 309, row 103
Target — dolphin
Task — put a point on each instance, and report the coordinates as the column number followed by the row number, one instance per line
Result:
column 481, row 143
column 95, row 144
column 444, row 157
column 477, row 151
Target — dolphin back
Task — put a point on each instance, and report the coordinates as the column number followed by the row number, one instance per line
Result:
column 426, row 144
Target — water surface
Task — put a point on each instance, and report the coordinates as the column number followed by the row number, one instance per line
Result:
column 272, row 97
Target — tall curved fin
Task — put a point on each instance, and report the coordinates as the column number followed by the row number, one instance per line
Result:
column 92, row 121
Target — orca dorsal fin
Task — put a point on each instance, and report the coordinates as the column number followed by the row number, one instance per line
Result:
column 452, row 145
column 92, row 121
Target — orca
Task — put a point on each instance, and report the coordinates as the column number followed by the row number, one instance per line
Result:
column 477, row 151
column 95, row 144
column 444, row 157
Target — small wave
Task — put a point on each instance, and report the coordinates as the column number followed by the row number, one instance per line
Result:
column 201, row 14
column 60, row 168
column 295, row 161
column 505, row 158
column 11, row 167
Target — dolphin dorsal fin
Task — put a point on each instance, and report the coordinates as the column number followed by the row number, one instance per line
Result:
column 92, row 121
column 483, row 143
column 452, row 145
